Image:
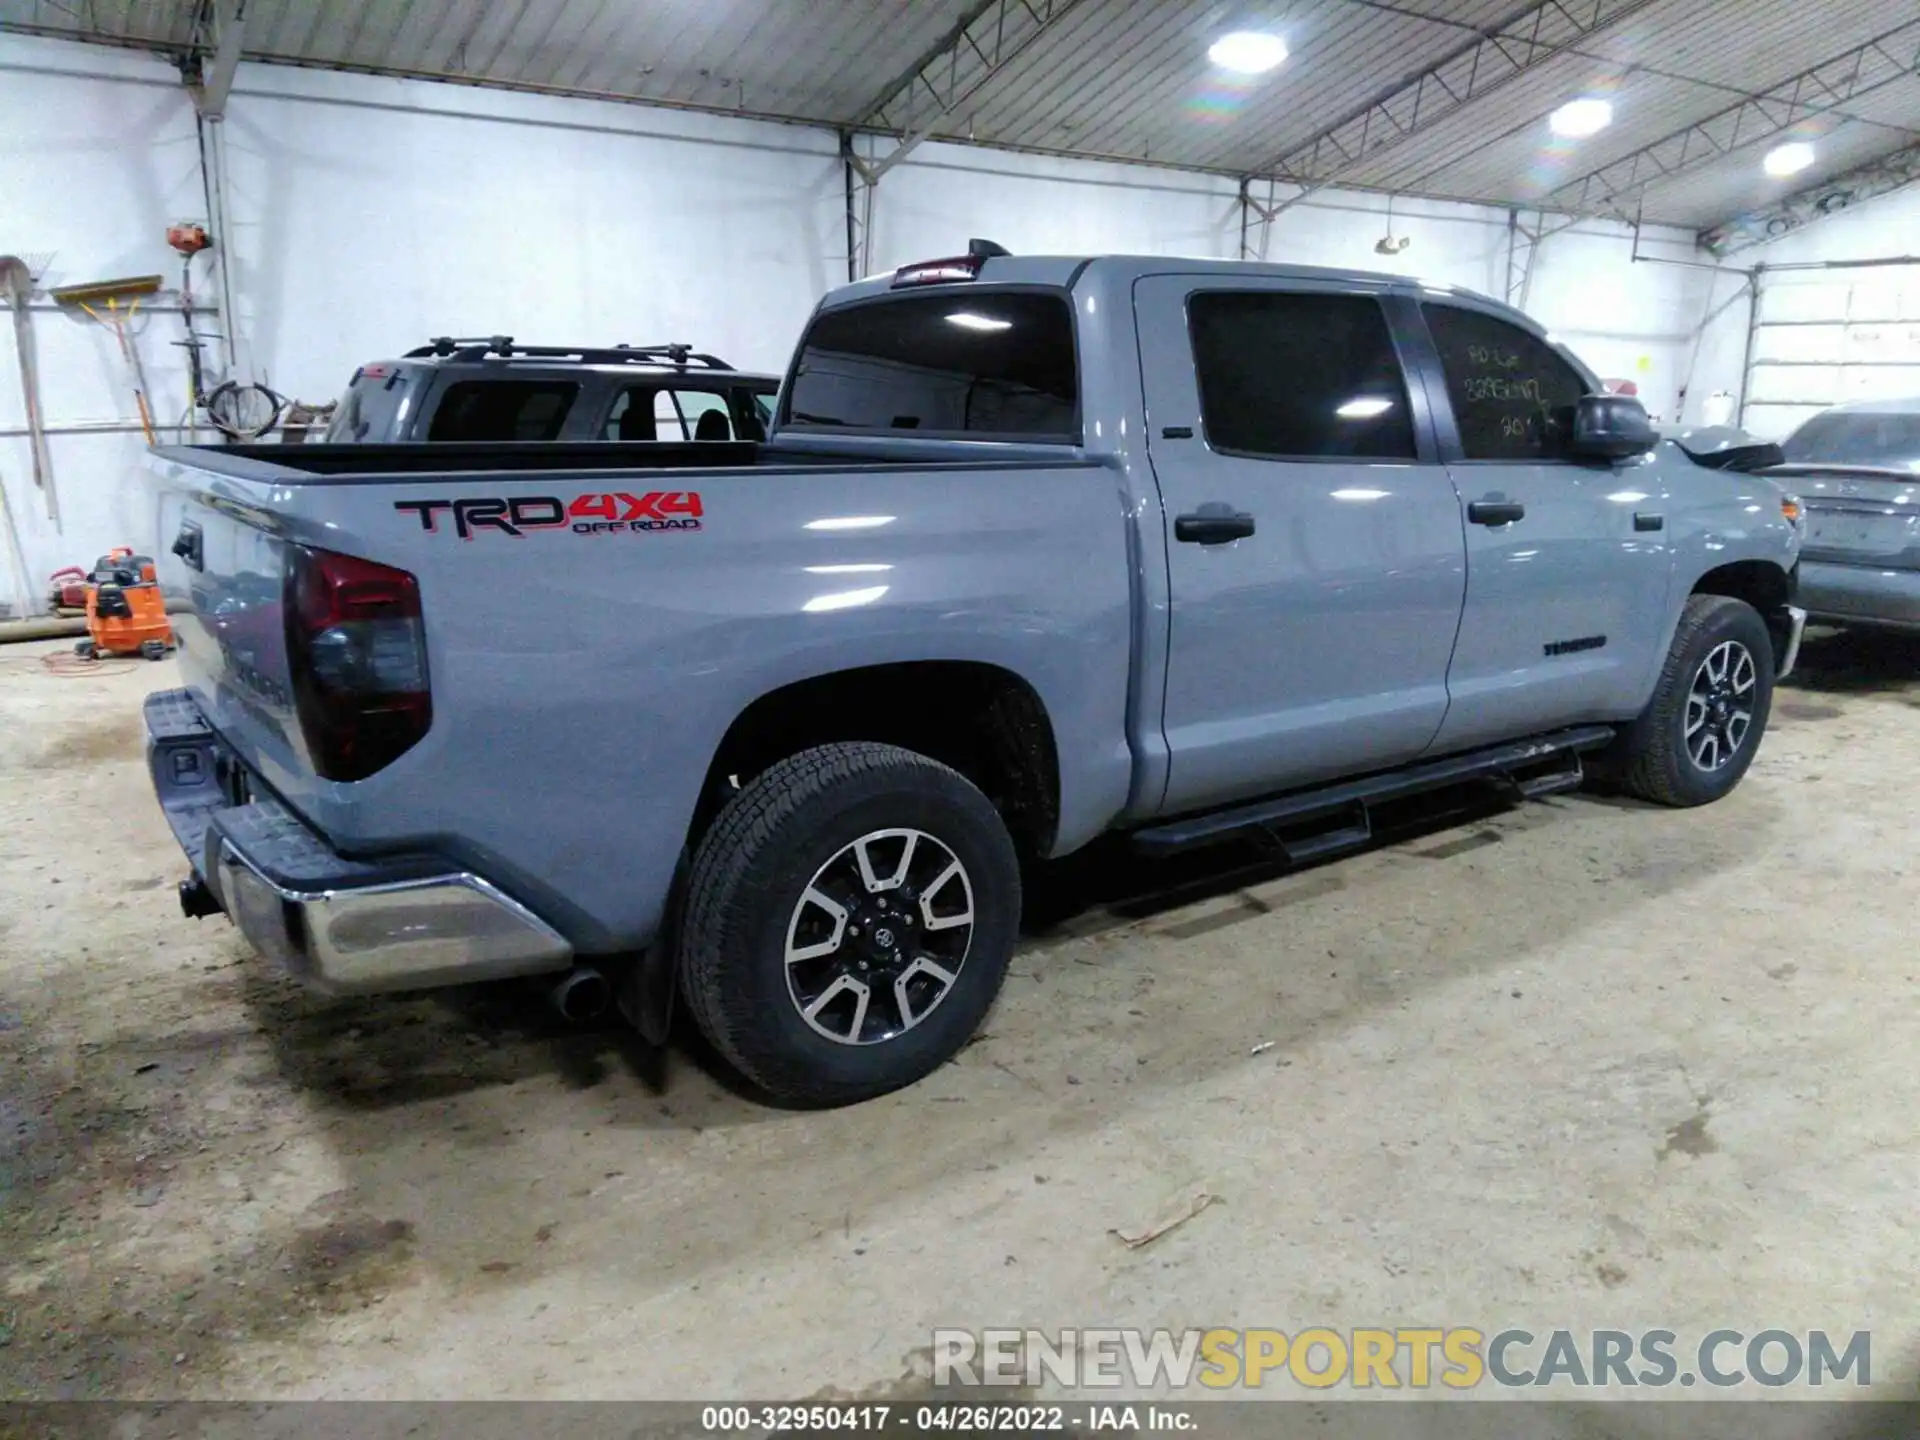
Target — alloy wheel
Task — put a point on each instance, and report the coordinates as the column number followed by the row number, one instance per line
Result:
column 878, row 937
column 1719, row 713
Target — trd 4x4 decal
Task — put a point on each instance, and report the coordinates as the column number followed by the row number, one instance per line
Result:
column 601, row 514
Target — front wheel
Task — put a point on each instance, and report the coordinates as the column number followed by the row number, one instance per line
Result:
column 1699, row 733
column 849, row 919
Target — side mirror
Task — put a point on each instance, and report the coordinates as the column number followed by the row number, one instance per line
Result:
column 1610, row 427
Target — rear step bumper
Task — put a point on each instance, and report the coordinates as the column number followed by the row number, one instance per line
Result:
column 347, row 927
column 1336, row 816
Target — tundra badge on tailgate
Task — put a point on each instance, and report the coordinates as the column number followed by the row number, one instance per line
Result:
column 592, row 514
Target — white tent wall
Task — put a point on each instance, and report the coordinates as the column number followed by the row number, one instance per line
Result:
column 97, row 156
column 366, row 214
column 1630, row 319
column 370, row 214
column 1850, row 332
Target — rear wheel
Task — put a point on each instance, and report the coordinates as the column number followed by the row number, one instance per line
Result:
column 849, row 920
column 86, row 650
column 154, row 649
column 1699, row 733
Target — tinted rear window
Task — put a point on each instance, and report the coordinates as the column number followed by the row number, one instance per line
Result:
column 959, row 362
column 1885, row 439
column 1299, row 376
column 502, row 410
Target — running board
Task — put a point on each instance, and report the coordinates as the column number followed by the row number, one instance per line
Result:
column 1526, row 769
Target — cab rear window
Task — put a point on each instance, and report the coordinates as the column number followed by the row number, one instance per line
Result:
column 502, row 410
column 959, row 362
column 369, row 408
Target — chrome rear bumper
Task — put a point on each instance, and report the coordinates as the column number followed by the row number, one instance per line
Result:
column 344, row 926
column 449, row 929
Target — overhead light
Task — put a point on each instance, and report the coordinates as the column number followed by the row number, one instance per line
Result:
column 1578, row 119
column 1364, row 407
column 1788, row 159
column 1248, row 52
column 967, row 320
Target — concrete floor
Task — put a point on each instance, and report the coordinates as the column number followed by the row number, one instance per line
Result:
column 1581, row 1064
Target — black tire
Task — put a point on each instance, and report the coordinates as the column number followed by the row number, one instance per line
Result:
column 154, row 649
column 772, row 843
column 1654, row 758
column 86, row 650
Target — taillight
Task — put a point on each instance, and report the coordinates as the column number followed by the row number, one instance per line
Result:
column 357, row 651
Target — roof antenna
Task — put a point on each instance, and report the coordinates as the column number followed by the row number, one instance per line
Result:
column 986, row 249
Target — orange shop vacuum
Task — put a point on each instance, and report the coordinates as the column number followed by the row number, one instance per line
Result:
column 125, row 612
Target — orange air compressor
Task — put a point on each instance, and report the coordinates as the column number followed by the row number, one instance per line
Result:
column 125, row 612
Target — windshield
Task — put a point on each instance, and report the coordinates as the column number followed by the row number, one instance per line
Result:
column 1884, row 439
column 954, row 362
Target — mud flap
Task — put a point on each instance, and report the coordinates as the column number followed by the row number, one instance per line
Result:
column 652, row 983
column 647, row 992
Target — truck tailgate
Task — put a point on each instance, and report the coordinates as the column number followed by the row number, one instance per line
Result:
column 1857, row 515
column 223, row 550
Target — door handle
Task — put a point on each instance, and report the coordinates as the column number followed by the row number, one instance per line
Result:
column 1495, row 512
column 1647, row 520
column 1213, row 524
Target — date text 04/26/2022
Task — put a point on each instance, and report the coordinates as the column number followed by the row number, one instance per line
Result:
column 944, row 1419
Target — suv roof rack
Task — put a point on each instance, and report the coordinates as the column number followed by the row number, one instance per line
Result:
column 483, row 347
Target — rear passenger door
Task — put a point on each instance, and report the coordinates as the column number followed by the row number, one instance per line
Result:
column 1567, row 561
column 1314, row 554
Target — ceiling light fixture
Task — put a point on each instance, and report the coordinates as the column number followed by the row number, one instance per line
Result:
column 1248, row 52
column 1578, row 119
column 967, row 320
column 1363, row 407
column 1788, row 159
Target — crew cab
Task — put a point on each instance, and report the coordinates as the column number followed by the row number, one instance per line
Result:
column 492, row 389
column 1039, row 549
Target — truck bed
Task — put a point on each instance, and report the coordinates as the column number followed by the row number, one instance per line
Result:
column 593, row 663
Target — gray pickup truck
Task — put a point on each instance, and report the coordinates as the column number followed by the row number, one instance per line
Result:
column 1038, row 549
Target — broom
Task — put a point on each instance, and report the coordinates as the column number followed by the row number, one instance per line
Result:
column 118, row 319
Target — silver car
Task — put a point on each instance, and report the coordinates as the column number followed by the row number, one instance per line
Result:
column 1857, row 470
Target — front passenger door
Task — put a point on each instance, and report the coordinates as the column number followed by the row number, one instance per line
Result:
column 1567, row 561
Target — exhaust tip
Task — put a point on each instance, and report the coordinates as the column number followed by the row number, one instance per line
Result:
column 582, row 995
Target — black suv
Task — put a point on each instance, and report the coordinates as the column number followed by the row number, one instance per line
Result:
column 493, row 389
